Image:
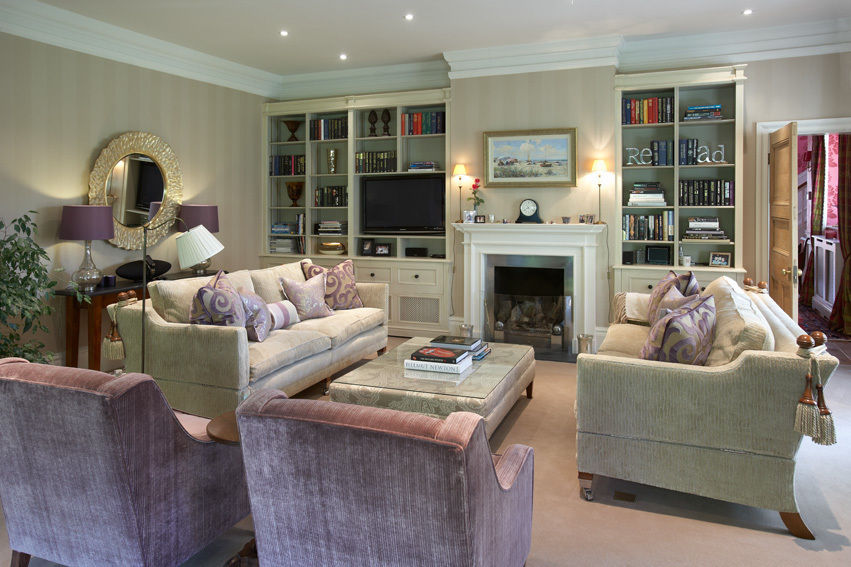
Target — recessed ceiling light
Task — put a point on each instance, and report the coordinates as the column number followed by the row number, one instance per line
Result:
column 343, row 57
column 747, row 12
column 409, row 17
column 284, row 33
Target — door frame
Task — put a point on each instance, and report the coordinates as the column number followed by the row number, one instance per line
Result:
column 763, row 145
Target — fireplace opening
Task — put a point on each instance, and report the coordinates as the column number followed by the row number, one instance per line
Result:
column 529, row 301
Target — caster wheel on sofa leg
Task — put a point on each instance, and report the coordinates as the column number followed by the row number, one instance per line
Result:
column 585, row 482
column 587, row 494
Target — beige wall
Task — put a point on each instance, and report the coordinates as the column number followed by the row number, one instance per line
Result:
column 59, row 108
column 581, row 99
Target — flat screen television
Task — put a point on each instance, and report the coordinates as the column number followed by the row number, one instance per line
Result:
column 150, row 185
column 403, row 204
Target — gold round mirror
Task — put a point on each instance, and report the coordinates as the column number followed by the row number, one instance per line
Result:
column 133, row 171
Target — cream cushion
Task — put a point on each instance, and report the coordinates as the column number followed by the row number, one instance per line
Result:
column 739, row 325
column 344, row 324
column 172, row 299
column 282, row 348
column 624, row 340
column 785, row 331
column 267, row 282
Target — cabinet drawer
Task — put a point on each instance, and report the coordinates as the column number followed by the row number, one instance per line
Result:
column 416, row 276
column 373, row 274
column 640, row 283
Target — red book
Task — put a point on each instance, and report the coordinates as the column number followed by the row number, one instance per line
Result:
column 438, row 354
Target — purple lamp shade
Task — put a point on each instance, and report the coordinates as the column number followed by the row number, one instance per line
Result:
column 86, row 222
column 152, row 212
column 193, row 215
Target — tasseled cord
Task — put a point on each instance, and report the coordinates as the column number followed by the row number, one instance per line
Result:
column 113, row 346
column 814, row 418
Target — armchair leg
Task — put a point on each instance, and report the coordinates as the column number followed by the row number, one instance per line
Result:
column 796, row 526
column 20, row 559
column 529, row 390
column 327, row 386
column 382, row 350
column 585, row 482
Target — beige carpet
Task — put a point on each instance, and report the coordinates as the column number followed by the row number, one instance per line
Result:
column 660, row 527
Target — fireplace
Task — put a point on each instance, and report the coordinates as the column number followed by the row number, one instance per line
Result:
column 529, row 300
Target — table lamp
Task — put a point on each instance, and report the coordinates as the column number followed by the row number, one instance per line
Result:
column 460, row 171
column 200, row 215
column 86, row 222
column 599, row 167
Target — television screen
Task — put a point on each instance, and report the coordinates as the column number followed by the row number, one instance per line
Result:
column 403, row 204
column 150, row 185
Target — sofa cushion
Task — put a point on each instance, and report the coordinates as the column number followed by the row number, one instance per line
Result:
column 685, row 283
column 258, row 318
column 308, row 297
column 739, row 324
column 344, row 324
column 624, row 340
column 267, row 282
column 283, row 313
column 785, row 330
column 684, row 335
column 217, row 303
column 673, row 299
column 283, row 348
column 341, row 290
column 172, row 299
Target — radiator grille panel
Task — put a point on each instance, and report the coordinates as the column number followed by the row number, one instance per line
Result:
column 419, row 309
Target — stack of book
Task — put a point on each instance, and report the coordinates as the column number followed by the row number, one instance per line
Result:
column 422, row 166
column 448, row 354
column 703, row 112
column 649, row 227
column 647, row 194
column 704, row 228
column 329, row 227
column 281, row 246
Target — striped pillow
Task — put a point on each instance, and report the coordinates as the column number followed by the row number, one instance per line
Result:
column 283, row 313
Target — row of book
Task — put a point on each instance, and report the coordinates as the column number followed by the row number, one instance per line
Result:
column 330, row 227
column 663, row 152
column 282, row 245
column 331, row 196
column 448, row 355
column 419, row 123
column 652, row 110
column 649, row 227
column 329, row 129
column 647, row 194
column 287, row 165
column 284, row 228
column 375, row 162
column 421, row 166
column 707, row 193
column 704, row 228
column 703, row 112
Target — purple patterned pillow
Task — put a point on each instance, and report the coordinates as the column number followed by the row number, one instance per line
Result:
column 283, row 313
column 341, row 291
column 308, row 297
column 684, row 335
column 217, row 303
column 685, row 283
column 258, row 320
column 671, row 300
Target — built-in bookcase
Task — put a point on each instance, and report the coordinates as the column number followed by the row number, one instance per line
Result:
column 664, row 145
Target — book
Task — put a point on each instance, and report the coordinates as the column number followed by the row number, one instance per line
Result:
column 449, row 377
column 439, row 354
column 439, row 366
column 481, row 353
column 454, row 341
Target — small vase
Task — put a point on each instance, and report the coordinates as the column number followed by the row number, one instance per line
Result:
column 294, row 191
column 332, row 161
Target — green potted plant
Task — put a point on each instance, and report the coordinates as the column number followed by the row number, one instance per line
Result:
column 25, row 291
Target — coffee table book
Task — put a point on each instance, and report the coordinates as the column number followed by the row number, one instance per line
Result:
column 440, row 354
column 451, row 341
column 439, row 366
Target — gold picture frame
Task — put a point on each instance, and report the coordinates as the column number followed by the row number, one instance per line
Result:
column 530, row 158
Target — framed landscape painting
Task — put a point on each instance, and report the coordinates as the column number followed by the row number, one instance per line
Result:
column 530, row 158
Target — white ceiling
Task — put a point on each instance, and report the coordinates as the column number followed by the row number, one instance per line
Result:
column 373, row 32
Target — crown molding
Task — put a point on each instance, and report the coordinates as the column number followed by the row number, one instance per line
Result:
column 531, row 57
column 779, row 42
column 54, row 26
column 407, row 76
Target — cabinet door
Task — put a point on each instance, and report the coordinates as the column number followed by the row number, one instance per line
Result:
column 640, row 281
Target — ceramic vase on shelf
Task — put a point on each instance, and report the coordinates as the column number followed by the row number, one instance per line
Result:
column 294, row 191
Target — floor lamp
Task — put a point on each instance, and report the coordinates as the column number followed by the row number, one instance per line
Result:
column 459, row 171
column 194, row 246
column 599, row 167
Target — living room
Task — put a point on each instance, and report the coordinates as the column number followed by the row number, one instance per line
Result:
column 70, row 89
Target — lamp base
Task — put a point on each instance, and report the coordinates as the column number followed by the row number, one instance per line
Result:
column 200, row 269
column 87, row 276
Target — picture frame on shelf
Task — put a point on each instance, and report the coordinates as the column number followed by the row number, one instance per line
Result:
column 480, row 219
column 719, row 259
column 367, row 247
column 565, row 220
column 530, row 158
column 382, row 249
column 469, row 217
column 587, row 219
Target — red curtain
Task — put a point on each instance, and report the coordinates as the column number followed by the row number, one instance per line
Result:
column 816, row 220
column 840, row 317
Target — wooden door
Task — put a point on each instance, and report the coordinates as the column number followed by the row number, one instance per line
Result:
column 783, row 219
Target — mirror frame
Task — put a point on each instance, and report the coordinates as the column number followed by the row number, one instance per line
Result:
column 130, row 238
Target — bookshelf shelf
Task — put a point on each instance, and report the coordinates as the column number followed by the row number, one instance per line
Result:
column 330, row 141
column 685, row 188
column 374, row 138
column 419, row 136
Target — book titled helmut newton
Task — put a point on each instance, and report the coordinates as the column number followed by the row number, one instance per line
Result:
column 437, row 359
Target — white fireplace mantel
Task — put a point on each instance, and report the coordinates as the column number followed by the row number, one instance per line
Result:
column 577, row 240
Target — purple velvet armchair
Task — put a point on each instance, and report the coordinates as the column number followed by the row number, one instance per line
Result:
column 338, row 485
column 98, row 470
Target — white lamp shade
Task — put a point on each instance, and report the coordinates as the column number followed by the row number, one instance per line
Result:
column 459, row 170
column 196, row 245
column 599, row 166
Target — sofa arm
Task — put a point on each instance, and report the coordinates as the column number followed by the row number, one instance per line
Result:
column 202, row 354
column 745, row 405
column 375, row 295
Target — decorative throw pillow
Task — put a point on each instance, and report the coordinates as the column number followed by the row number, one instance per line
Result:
column 217, row 303
column 283, row 313
column 684, row 335
column 672, row 300
column 341, row 292
column 308, row 297
column 258, row 320
column 685, row 283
